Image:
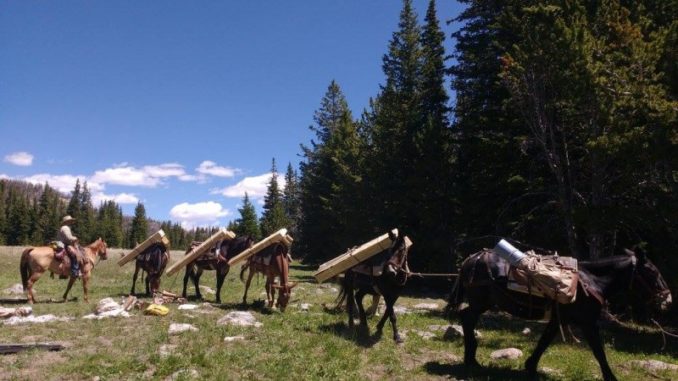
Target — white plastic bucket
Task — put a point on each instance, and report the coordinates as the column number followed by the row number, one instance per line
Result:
column 509, row 252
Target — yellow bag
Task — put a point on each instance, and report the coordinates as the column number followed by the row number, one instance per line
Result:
column 157, row 309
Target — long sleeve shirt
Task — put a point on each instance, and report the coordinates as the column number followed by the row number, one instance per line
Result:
column 66, row 236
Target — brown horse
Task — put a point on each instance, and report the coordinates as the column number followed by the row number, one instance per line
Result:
column 36, row 260
column 153, row 261
column 278, row 266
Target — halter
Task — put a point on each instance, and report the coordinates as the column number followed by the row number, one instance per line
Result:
column 401, row 267
column 658, row 296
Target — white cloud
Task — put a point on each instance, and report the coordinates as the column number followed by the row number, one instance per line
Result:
column 62, row 183
column 120, row 198
column 129, row 176
column 165, row 170
column 254, row 186
column 4, row 176
column 199, row 214
column 23, row 159
column 211, row 168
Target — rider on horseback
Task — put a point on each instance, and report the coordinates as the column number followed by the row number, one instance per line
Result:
column 70, row 241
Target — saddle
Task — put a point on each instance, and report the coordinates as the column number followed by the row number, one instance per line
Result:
column 549, row 276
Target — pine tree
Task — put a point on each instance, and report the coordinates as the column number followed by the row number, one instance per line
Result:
column 87, row 216
column 291, row 199
column 3, row 212
column 247, row 224
column 273, row 217
column 139, row 229
column 75, row 203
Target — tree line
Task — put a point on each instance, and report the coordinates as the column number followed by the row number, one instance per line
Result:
column 561, row 134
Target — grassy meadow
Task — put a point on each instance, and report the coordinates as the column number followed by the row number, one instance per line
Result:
column 296, row 344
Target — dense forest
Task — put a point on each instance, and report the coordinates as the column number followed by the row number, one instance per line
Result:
column 553, row 123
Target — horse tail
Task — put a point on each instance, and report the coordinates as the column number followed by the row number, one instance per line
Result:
column 24, row 268
column 242, row 271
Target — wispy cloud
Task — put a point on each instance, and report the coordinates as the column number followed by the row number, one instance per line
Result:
column 63, row 183
column 211, row 168
column 255, row 186
column 129, row 176
column 198, row 214
column 23, row 159
column 120, row 198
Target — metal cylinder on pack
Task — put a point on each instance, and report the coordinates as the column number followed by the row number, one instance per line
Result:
column 509, row 252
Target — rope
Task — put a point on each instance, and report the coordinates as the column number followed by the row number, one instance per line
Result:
column 422, row 275
column 664, row 333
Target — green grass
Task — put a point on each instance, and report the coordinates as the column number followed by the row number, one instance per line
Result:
column 293, row 345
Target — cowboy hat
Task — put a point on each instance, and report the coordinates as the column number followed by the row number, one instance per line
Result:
column 67, row 219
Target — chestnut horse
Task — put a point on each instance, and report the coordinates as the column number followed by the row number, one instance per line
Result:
column 481, row 285
column 219, row 262
column 279, row 266
column 153, row 261
column 35, row 261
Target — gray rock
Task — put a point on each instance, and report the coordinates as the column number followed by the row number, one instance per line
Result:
column 455, row 331
column 229, row 339
column 16, row 289
column 427, row 306
column 654, row 365
column 176, row 328
column 166, row 350
column 506, row 354
column 239, row 318
column 184, row 374
column 526, row 331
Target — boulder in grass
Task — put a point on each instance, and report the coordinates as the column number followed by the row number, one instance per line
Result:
column 427, row 306
column 506, row 354
column 230, row 339
column 455, row 331
column 239, row 318
column 176, row 328
column 16, row 289
column 654, row 365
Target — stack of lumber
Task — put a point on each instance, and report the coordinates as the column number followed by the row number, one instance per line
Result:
column 353, row 257
column 279, row 236
column 197, row 251
column 159, row 236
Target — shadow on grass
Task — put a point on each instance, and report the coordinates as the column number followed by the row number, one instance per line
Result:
column 360, row 335
column 14, row 301
column 258, row 306
column 461, row 372
column 303, row 268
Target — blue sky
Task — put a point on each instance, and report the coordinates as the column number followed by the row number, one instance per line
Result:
column 180, row 105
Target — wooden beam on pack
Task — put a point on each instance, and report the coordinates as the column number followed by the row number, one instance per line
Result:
column 353, row 257
column 279, row 236
column 158, row 236
column 197, row 251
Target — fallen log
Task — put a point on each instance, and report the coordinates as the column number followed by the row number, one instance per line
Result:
column 15, row 348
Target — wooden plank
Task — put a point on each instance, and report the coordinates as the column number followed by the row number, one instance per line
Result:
column 158, row 236
column 353, row 257
column 222, row 234
column 278, row 236
column 288, row 240
column 15, row 348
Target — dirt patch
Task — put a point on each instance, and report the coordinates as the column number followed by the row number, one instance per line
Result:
column 412, row 361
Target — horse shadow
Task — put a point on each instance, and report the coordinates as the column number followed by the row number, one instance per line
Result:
column 490, row 372
column 303, row 268
column 258, row 306
column 358, row 334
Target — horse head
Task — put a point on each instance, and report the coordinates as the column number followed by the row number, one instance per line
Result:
column 100, row 248
column 285, row 292
column 398, row 252
column 649, row 282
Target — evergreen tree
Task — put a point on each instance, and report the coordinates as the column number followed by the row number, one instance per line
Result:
column 87, row 216
column 273, row 217
column 139, row 228
column 3, row 213
column 46, row 225
column 75, row 203
column 291, row 199
column 247, row 224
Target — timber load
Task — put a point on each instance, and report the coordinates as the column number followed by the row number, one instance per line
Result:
column 220, row 235
column 353, row 257
column 279, row 236
column 159, row 236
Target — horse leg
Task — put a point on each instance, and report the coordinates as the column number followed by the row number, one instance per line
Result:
column 29, row 285
column 247, row 285
column 71, row 280
column 546, row 337
column 147, row 283
column 196, row 283
column 134, row 280
column 373, row 310
column 469, row 318
column 187, row 274
column 221, row 275
column 390, row 312
column 361, row 309
column 592, row 335
column 270, row 291
column 85, row 285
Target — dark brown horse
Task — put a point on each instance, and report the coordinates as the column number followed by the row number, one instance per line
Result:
column 388, row 284
column 153, row 261
column 272, row 262
column 482, row 284
column 36, row 260
column 218, row 261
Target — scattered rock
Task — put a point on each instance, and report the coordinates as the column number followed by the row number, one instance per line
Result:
column 527, row 331
column 319, row 291
column 207, row 290
column 16, row 289
column 455, row 331
column 425, row 334
column 436, row 327
column 188, row 307
column 19, row 311
column 107, row 307
column 426, row 306
column 184, row 374
column 176, row 328
column 166, row 350
column 654, row 365
column 35, row 319
column 506, row 354
column 96, row 378
column 304, row 306
column 239, row 318
column 400, row 310
column 230, row 339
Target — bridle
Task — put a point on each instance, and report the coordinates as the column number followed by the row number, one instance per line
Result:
column 659, row 296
